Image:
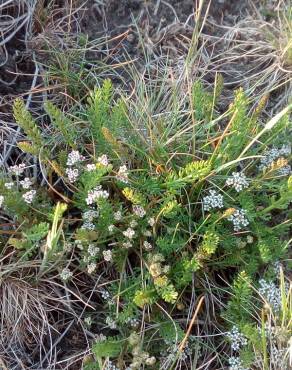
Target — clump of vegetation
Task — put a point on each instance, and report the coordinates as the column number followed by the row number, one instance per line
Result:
column 166, row 221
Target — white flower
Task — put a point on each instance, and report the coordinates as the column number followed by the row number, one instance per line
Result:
column 100, row 338
column 273, row 154
column 123, row 174
column 129, row 233
column 105, row 295
column 90, row 167
column 88, row 226
column 147, row 233
column 66, row 274
column 107, row 255
column 103, row 160
column 90, row 215
column 151, row 221
column 17, row 169
column 111, row 228
column 133, row 223
column 239, row 219
column 285, row 171
column 238, row 180
column 26, row 183
column 91, row 268
column 9, row 185
column 271, row 293
column 74, row 157
column 72, row 174
column 111, row 323
column 147, row 246
column 88, row 321
column 95, row 194
column 212, row 201
column 118, row 216
column 1, row 200
column 93, row 250
column 139, row 211
column 29, row 196
column 127, row 245
column 237, row 339
column 133, row 322
column 235, row 364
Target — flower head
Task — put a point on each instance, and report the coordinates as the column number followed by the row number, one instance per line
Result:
column 28, row 197
column 212, row 201
column 238, row 180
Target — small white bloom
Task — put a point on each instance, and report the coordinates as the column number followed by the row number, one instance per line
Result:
column 236, row 338
column 133, row 322
column 147, row 233
column 93, row 250
column 103, row 160
column 26, row 183
column 129, row 233
column 123, row 174
column 111, row 228
column 151, row 221
column 72, row 174
column 91, row 268
column 100, row 338
column 74, row 157
column 29, row 196
column 88, row 226
column 9, row 185
column 212, row 201
column 1, row 200
column 147, row 246
column 118, row 216
column 271, row 293
column 90, row 167
column 90, row 215
column 127, row 245
column 111, row 323
column 96, row 194
column 139, row 211
column 238, row 180
column 66, row 274
column 133, row 223
column 239, row 219
column 107, row 255
column 235, row 364
column 88, row 321
column 17, row 169
column 105, row 295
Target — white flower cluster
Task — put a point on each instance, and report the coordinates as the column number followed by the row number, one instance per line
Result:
column 111, row 323
column 91, row 268
column 90, row 215
column 236, row 364
column 28, row 197
column 237, row 339
column 238, row 180
column 151, row 221
column 133, row 322
column 9, row 185
column 212, row 201
column 88, row 226
column 1, row 200
column 123, row 174
column 271, row 293
column 139, row 211
column 127, row 245
column 17, row 169
column 25, row 183
column 95, row 194
column 72, row 174
column 110, row 366
column 93, row 250
column 129, row 233
column 66, row 274
column 239, row 219
column 88, row 321
column 107, row 255
column 147, row 246
column 273, row 154
column 105, row 295
column 74, row 157
column 118, row 216
column 285, row 171
column 90, row 167
column 103, row 159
